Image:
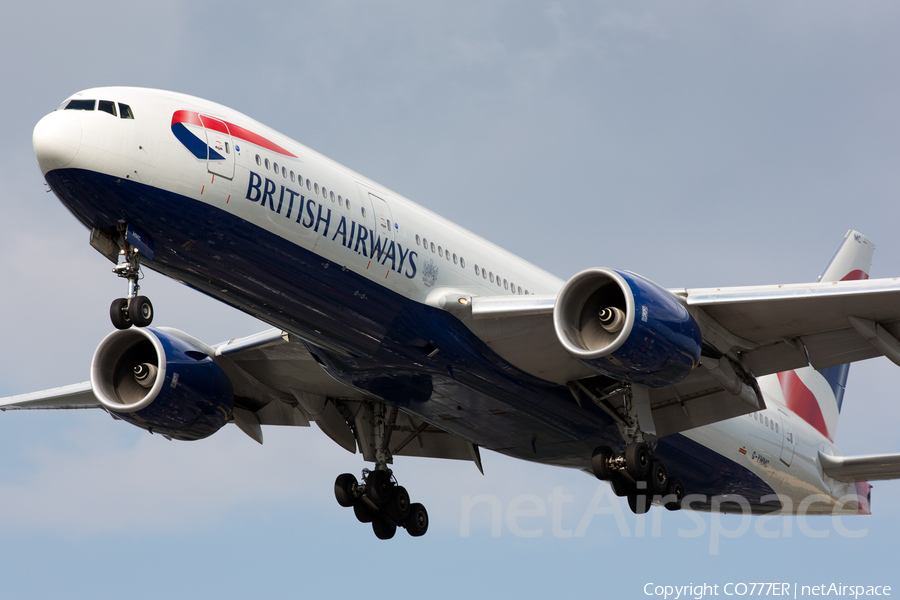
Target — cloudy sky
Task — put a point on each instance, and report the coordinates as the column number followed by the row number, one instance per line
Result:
column 698, row 143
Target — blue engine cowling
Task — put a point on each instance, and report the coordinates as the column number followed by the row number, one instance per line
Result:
column 159, row 382
column 652, row 340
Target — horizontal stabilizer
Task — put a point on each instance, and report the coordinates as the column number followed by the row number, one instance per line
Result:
column 861, row 468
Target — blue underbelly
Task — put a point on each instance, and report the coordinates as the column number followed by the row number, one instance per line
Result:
column 380, row 343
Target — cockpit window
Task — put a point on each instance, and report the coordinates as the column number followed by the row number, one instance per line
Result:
column 81, row 105
column 125, row 111
column 107, row 107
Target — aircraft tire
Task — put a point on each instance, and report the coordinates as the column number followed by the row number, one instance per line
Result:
column 675, row 488
column 363, row 512
column 118, row 314
column 343, row 489
column 638, row 459
column 620, row 486
column 140, row 312
column 659, row 477
column 599, row 463
column 379, row 487
column 639, row 503
column 384, row 529
column 397, row 507
column 417, row 520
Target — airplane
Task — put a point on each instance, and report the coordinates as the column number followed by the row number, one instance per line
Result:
column 400, row 333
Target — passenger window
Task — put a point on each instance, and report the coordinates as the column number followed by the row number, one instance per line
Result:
column 440, row 251
column 432, row 247
column 331, row 195
column 454, row 259
column 348, row 207
column 389, row 224
column 520, row 290
column 258, row 160
column 526, row 292
column 340, row 200
column 324, row 193
column 483, row 273
column 512, row 286
column 307, row 184
column 477, row 270
column 418, row 240
column 316, row 186
column 362, row 209
column 275, row 167
column 462, row 262
column 491, row 275
column 227, row 148
column 447, row 255
column 81, row 105
column 292, row 176
column 125, row 111
column 267, row 164
column 776, row 427
column 107, row 107
column 498, row 281
column 283, row 172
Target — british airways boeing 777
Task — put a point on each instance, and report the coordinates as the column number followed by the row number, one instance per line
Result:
column 400, row 333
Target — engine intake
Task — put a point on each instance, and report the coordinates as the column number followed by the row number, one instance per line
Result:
column 159, row 382
column 626, row 327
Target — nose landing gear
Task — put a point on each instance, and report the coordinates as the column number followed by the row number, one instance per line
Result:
column 379, row 500
column 134, row 309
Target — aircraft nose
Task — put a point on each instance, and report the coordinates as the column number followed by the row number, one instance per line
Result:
column 56, row 140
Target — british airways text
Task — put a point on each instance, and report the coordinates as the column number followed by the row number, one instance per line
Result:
column 312, row 215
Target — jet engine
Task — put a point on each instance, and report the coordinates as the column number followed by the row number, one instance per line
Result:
column 159, row 382
column 626, row 327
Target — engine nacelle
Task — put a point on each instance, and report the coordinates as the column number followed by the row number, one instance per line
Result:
column 161, row 383
column 626, row 327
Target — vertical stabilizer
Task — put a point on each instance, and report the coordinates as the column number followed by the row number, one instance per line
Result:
column 852, row 260
column 816, row 396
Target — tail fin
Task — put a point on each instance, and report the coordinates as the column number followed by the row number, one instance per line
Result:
column 852, row 260
column 817, row 395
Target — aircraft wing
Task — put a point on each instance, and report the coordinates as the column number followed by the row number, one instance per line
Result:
column 777, row 327
column 762, row 329
column 861, row 468
column 79, row 395
column 278, row 382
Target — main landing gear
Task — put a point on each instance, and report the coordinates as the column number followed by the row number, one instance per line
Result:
column 379, row 500
column 133, row 310
column 637, row 475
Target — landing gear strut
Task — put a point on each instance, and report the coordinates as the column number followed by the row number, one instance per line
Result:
column 379, row 500
column 134, row 309
column 636, row 474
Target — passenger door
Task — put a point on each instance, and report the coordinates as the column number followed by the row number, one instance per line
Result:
column 787, row 439
column 221, row 147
